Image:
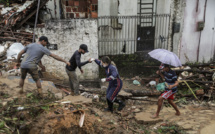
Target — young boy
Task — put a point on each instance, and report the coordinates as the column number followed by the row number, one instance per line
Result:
column 171, row 78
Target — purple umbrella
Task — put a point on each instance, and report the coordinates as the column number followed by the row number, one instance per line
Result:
column 165, row 57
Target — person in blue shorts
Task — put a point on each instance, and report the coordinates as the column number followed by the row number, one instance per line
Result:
column 115, row 83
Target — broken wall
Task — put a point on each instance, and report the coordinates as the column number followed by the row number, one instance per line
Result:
column 68, row 35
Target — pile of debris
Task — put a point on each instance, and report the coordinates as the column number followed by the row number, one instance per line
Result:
column 201, row 77
column 12, row 19
column 8, row 58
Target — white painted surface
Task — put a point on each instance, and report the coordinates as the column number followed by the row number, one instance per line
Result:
column 206, row 43
column 190, row 36
column 127, row 7
column 163, row 6
column 107, row 7
column 68, row 35
column 51, row 5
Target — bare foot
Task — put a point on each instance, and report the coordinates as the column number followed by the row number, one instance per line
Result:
column 21, row 91
column 154, row 116
column 178, row 113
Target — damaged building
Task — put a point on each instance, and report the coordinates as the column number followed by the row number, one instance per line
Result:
column 115, row 28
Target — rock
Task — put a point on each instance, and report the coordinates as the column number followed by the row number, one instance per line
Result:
column 200, row 92
column 187, row 126
column 59, row 95
column 124, row 94
column 137, row 110
column 4, row 104
column 103, row 88
column 144, row 118
column 130, row 116
column 124, row 114
column 133, row 107
column 77, row 99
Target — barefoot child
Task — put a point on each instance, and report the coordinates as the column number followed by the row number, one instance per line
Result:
column 171, row 78
column 115, row 83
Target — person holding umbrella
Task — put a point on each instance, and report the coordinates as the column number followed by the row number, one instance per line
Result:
column 115, row 83
column 171, row 79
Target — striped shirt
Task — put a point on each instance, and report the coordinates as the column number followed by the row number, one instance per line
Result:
column 170, row 78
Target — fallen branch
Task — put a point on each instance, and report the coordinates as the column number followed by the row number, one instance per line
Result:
column 191, row 91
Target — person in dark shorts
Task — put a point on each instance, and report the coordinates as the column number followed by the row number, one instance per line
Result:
column 115, row 83
column 171, row 79
column 75, row 62
column 33, row 55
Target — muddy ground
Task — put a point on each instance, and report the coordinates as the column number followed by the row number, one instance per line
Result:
column 28, row 113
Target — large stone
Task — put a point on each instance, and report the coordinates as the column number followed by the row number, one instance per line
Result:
column 145, row 118
column 77, row 99
column 124, row 94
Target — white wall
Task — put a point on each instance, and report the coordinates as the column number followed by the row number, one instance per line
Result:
column 127, row 7
column 68, row 35
column 163, row 6
column 192, row 40
column 107, row 7
column 207, row 42
column 51, row 5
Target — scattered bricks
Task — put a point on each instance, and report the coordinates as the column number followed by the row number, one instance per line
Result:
column 71, row 2
column 94, row 15
column 200, row 92
column 68, row 9
column 80, row 9
column 74, row 9
column 85, row 4
column 81, row 3
column 72, row 15
column 67, row 3
column 41, row 25
column 94, row 1
column 77, row 15
column 76, row 3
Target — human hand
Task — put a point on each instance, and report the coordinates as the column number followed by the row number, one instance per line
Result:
column 158, row 72
column 68, row 63
column 81, row 71
column 90, row 60
column 43, row 69
column 170, row 87
column 103, row 79
column 18, row 64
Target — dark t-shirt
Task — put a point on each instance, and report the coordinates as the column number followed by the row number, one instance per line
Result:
column 75, row 61
column 170, row 78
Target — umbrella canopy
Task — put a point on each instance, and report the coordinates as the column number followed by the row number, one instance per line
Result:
column 165, row 57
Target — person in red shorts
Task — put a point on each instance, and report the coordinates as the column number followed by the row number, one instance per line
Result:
column 171, row 79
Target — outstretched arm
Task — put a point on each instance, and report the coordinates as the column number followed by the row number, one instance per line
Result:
column 80, row 64
column 59, row 58
column 98, row 62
